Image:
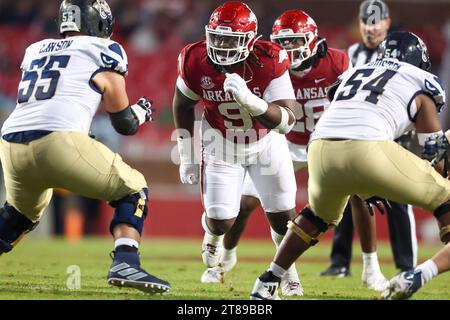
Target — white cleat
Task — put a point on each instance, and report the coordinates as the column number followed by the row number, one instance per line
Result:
column 291, row 288
column 290, row 283
column 212, row 250
column 266, row 289
column 375, row 281
column 212, row 275
column 216, row 274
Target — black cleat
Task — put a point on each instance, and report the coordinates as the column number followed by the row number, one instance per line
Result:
column 126, row 271
column 338, row 272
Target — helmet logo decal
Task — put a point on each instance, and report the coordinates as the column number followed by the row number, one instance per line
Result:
column 310, row 21
column 423, row 48
column 103, row 8
column 252, row 17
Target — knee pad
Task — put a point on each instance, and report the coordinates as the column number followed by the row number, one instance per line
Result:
column 13, row 226
column 221, row 212
column 131, row 210
column 444, row 232
column 321, row 226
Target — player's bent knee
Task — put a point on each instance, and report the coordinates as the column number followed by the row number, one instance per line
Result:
column 310, row 238
column 131, row 210
column 248, row 205
column 442, row 214
column 13, row 226
column 279, row 203
column 220, row 212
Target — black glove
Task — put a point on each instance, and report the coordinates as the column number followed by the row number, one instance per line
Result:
column 143, row 110
column 435, row 148
column 378, row 203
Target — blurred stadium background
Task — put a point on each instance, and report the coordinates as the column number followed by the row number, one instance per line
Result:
column 153, row 32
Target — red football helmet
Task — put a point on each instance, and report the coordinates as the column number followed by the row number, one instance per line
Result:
column 297, row 33
column 231, row 33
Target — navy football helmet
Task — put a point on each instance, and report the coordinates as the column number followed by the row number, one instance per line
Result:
column 91, row 17
column 407, row 47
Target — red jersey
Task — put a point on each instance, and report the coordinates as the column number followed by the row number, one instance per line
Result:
column 311, row 93
column 206, row 80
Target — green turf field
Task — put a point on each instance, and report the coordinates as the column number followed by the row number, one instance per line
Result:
column 37, row 268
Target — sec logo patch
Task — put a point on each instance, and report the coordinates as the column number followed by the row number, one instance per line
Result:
column 206, row 83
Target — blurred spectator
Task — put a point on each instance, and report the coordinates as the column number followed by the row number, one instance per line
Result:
column 17, row 12
column 45, row 22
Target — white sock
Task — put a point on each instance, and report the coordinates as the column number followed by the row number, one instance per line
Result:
column 370, row 262
column 228, row 253
column 126, row 242
column 429, row 270
column 276, row 237
column 277, row 270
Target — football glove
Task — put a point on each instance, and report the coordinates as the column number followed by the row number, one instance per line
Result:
column 379, row 203
column 189, row 173
column 143, row 110
column 237, row 86
column 189, row 169
column 435, row 148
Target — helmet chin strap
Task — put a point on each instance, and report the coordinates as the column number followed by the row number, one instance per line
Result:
column 306, row 65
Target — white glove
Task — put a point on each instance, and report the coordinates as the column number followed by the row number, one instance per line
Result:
column 143, row 110
column 243, row 96
column 189, row 173
column 189, row 170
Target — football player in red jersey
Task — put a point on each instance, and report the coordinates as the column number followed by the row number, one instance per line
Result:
column 314, row 67
column 244, row 87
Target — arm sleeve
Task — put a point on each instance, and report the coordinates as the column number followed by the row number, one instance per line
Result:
column 124, row 122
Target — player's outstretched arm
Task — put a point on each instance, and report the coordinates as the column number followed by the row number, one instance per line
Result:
column 427, row 120
column 184, row 116
column 113, row 88
column 272, row 115
column 125, row 118
column 429, row 132
column 184, row 112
